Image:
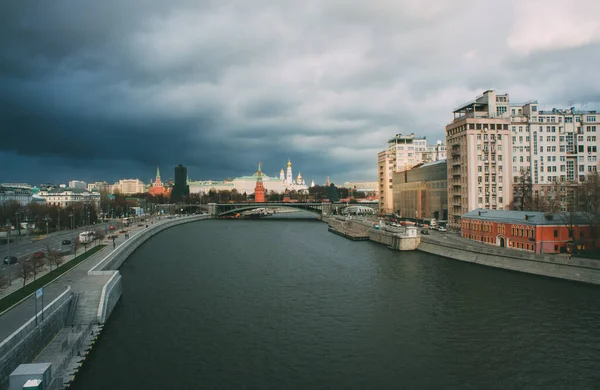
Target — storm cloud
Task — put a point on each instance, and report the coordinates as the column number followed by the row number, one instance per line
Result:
column 111, row 89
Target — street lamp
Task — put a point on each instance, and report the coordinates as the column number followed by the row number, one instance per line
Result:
column 8, row 249
column 71, row 216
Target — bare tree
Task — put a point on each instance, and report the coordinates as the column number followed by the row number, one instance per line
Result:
column 589, row 199
column 24, row 270
column 523, row 199
column 75, row 244
column 53, row 257
column 3, row 281
column 36, row 264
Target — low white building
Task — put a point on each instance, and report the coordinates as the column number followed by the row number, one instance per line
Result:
column 63, row 197
column 18, row 194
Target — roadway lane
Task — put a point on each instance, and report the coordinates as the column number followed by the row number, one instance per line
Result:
column 27, row 248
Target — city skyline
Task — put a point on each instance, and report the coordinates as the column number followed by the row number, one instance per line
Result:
column 219, row 87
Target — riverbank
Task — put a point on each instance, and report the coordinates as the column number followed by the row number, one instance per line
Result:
column 72, row 318
column 454, row 247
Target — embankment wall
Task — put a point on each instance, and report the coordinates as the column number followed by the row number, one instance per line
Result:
column 30, row 339
column 580, row 270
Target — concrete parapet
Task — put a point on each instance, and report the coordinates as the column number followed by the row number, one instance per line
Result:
column 27, row 341
column 111, row 292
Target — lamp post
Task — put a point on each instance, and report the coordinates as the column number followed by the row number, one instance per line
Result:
column 46, row 219
column 8, row 249
column 71, row 216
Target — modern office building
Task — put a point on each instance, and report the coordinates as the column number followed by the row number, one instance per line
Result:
column 422, row 192
column 479, row 161
column 403, row 152
column 181, row 189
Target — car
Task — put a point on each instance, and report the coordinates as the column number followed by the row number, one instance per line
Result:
column 112, row 227
column 39, row 255
column 10, row 260
column 424, row 231
column 66, row 242
column 442, row 229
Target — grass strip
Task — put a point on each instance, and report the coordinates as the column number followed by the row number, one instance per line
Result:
column 30, row 288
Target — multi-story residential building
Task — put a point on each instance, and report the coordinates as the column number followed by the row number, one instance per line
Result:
column 129, row 186
column 77, row 184
column 403, row 152
column 422, row 192
column 63, row 197
column 99, row 186
column 386, row 162
column 558, row 145
column 479, row 166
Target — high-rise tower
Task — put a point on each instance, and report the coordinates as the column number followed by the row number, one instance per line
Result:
column 259, row 190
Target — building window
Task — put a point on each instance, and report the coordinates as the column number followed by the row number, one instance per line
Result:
column 555, row 233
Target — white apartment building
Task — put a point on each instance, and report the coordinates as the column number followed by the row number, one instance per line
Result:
column 77, row 184
column 63, row 197
column 403, row 152
column 129, row 186
column 558, row 145
column 99, row 186
column 479, row 165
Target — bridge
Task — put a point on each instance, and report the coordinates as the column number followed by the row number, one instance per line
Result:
column 224, row 209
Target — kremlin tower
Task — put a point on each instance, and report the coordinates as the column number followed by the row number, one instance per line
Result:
column 157, row 187
column 259, row 190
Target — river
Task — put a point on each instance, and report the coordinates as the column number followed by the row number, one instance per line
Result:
column 286, row 305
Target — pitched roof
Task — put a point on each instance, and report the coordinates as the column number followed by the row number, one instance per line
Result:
column 527, row 217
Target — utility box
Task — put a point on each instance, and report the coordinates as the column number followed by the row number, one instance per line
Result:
column 28, row 373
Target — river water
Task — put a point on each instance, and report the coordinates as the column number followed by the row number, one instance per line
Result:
column 286, row 305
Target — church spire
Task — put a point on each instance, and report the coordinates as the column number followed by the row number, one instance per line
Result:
column 158, row 173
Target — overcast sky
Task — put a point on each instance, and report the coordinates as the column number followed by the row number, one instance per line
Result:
column 102, row 90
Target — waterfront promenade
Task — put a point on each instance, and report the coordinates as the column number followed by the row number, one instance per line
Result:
column 85, row 296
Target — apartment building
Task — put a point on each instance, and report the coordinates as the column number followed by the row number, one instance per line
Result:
column 479, row 165
column 558, row 145
column 403, row 152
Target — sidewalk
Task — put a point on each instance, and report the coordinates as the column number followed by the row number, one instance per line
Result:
column 11, row 320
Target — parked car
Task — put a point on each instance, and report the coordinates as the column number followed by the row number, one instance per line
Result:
column 66, row 242
column 10, row 260
column 424, row 231
column 442, row 229
column 39, row 255
column 112, row 227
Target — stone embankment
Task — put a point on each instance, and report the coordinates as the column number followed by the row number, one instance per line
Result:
column 403, row 239
column 555, row 266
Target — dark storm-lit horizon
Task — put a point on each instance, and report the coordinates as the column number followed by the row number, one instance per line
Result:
column 111, row 90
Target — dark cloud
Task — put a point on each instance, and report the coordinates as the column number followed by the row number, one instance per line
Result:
column 108, row 90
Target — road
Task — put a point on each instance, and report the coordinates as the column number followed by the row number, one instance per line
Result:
column 25, row 247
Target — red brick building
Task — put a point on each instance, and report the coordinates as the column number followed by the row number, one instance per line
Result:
column 532, row 231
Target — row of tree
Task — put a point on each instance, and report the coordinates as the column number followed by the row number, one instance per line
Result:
column 31, row 266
